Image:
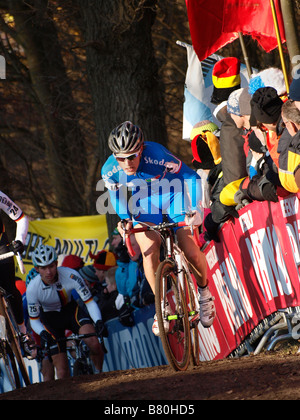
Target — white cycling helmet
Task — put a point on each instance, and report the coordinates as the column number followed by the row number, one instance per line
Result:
column 125, row 138
column 43, row 255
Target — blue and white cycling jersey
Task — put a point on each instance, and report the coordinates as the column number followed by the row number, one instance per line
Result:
column 162, row 184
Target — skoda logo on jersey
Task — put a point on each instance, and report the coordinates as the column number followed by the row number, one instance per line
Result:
column 148, row 159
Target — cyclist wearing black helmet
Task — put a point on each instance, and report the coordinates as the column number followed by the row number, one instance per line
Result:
column 161, row 184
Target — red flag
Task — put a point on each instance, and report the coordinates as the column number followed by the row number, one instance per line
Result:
column 206, row 21
column 254, row 17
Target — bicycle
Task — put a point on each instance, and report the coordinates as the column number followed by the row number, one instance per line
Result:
column 176, row 297
column 10, row 339
column 78, row 353
column 81, row 364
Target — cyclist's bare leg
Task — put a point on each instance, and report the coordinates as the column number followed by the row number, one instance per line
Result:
column 149, row 243
column 47, row 370
column 194, row 256
column 93, row 344
column 60, row 362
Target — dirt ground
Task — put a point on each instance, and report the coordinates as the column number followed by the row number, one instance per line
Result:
column 273, row 376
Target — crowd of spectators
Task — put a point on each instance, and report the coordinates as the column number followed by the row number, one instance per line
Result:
column 253, row 155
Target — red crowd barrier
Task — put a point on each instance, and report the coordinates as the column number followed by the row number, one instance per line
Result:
column 252, row 272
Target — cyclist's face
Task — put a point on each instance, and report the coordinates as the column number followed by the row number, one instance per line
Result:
column 48, row 273
column 131, row 163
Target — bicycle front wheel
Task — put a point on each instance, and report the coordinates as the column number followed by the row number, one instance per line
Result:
column 171, row 307
column 8, row 367
column 13, row 340
column 193, row 306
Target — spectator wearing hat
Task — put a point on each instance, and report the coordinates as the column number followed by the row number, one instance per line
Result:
column 226, row 79
column 88, row 273
column 72, row 261
column 242, row 123
column 289, row 159
column 103, row 261
column 265, row 119
column 115, row 239
column 239, row 108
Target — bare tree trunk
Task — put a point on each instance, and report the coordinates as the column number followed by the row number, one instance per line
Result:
column 64, row 148
column 292, row 36
column 122, row 69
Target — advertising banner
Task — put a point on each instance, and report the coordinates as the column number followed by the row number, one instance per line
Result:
column 68, row 235
column 254, row 270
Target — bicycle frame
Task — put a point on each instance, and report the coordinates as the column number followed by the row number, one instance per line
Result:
column 82, row 364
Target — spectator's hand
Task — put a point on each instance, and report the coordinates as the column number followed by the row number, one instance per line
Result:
column 195, row 219
column 101, row 329
column 269, row 192
column 46, row 339
column 16, row 246
column 241, row 199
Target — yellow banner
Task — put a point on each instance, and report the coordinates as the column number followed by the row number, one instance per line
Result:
column 68, row 235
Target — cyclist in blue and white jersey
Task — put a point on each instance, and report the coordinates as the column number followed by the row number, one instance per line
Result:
column 160, row 184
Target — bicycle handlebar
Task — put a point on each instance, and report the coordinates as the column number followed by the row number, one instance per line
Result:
column 81, row 337
column 158, row 227
column 7, row 255
column 76, row 337
column 19, row 260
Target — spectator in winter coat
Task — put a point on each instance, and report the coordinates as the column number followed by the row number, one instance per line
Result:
column 289, row 170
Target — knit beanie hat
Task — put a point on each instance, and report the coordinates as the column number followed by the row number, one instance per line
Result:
column 233, row 103
column 72, row 261
column 226, row 78
column 295, row 89
column 265, row 106
column 205, row 145
column 244, row 102
column 88, row 273
column 103, row 260
column 271, row 77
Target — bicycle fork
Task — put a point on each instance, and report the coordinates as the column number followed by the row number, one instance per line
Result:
column 188, row 289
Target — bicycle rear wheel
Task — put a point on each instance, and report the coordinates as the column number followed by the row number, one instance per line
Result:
column 170, row 305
